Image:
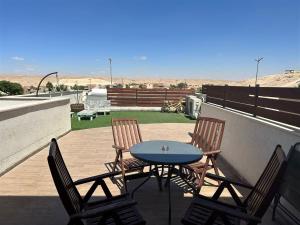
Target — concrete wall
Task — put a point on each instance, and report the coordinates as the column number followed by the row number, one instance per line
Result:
column 248, row 142
column 25, row 128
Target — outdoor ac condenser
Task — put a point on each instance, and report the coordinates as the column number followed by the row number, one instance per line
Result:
column 192, row 106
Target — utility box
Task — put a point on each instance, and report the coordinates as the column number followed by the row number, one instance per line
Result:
column 192, row 105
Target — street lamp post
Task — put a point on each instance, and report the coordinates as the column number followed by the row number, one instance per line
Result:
column 110, row 71
column 257, row 63
column 49, row 74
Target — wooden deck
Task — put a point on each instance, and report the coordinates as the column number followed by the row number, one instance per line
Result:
column 28, row 195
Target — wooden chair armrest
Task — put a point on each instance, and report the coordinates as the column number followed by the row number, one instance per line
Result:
column 102, row 210
column 232, row 211
column 225, row 204
column 122, row 197
column 120, row 148
column 96, row 178
column 228, row 180
column 211, row 152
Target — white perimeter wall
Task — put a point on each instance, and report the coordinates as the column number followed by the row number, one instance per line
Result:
column 25, row 129
column 249, row 142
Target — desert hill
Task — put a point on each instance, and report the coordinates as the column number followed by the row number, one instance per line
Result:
column 275, row 80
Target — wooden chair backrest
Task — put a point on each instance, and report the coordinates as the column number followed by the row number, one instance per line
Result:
column 208, row 133
column 126, row 132
column 66, row 189
column 267, row 185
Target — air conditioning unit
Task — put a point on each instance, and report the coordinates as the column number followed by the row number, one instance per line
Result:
column 192, row 105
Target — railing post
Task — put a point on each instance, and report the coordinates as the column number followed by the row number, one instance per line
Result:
column 256, row 94
column 136, row 97
column 225, row 95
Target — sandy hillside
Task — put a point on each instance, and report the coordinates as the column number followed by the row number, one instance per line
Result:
column 275, row 80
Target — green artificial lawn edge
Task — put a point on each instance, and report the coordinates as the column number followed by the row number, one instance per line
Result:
column 142, row 117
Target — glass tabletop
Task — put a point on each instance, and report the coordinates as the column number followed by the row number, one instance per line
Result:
column 166, row 152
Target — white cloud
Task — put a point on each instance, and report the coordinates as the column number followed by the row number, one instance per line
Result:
column 17, row 58
column 142, row 57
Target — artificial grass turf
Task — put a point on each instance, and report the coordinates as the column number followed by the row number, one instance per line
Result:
column 142, row 117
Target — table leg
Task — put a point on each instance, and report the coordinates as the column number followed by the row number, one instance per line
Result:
column 168, row 183
column 140, row 185
column 158, row 177
column 154, row 172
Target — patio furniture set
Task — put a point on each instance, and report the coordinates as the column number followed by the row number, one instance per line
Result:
column 164, row 160
column 92, row 107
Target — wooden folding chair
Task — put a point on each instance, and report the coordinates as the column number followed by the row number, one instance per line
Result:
column 208, row 211
column 112, row 210
column 126, row 133
column 208, row 134
column 290, row 187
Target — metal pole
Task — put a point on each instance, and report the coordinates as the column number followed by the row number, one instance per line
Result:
column 77, row 97
column 257, row 62
column 110, row 70
column 49, row 74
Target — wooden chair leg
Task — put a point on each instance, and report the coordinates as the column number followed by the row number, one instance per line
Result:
column 123, row 173
column 115, row 163
column 202, row 175
column 214, row 165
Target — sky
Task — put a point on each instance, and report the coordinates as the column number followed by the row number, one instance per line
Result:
column 216, row 39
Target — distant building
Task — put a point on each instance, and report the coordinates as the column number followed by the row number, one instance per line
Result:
column 30, row 89
column 149, row 85
column 134, row 85
column 194, row 86
column 291, row 71
column 159, row 85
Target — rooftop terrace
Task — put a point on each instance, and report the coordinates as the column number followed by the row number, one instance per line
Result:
column 28, row 195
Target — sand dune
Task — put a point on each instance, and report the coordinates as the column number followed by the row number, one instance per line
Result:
column 275, row 80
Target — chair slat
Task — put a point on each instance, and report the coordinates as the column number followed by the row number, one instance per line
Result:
column 268, row 183
column 208, row 133
column 63, row 181
column 126, row 132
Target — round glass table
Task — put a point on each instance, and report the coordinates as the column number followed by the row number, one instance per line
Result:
column 165, row 153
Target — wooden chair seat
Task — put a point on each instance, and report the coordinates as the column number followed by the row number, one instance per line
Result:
column 126, row 216
column 133, row 164
column 197, row 167
column 199, row 214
